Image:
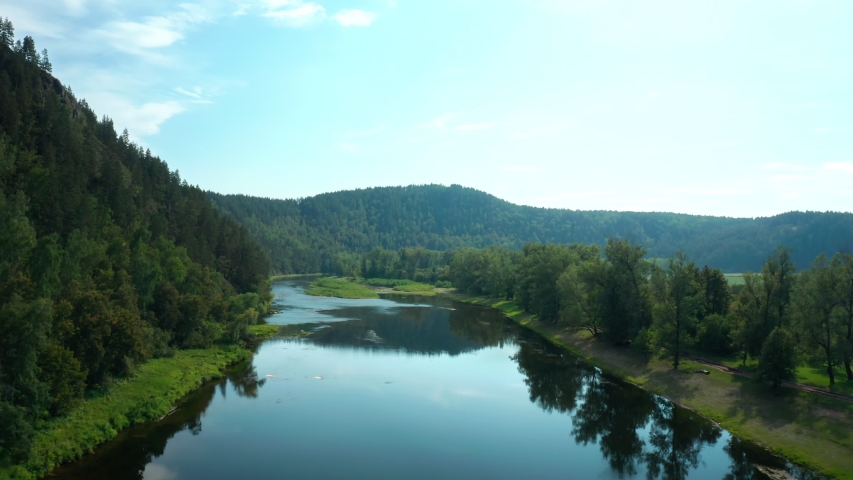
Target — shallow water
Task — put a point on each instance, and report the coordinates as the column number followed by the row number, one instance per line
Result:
column 419, row 387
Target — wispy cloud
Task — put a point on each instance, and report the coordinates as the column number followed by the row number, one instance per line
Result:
column 155, row 32
column 355, row 18
column 300, row 16
column 141, row 120
column 197, row 94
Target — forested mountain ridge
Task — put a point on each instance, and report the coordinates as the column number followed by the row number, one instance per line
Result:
column 307, row 234
column 107, row 258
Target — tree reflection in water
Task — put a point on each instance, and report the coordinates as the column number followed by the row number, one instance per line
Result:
column 632, row 427
column 127, row 460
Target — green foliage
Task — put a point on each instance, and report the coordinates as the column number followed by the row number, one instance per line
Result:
column 385, row 282
column 816, row 305
column 157, row 385
column 714, row 334
column 336, row 287
column 263, row 330
column 16, row 435
column 778, row 361
column 678, row 298
column 327, row 232
column 626, row 298
column 414, row 287
column 107, row 258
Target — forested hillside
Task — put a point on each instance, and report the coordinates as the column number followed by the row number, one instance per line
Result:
column 308, row 234
column 107, row 258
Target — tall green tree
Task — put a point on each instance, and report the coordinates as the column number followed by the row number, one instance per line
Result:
column 626, row 299
column 581, row 289
column 778, row 361
column 816, row 306
column 844, row 264
column 678, row 299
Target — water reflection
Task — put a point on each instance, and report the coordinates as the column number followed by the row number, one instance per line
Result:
column 633, row 428
column 413, row 329
column 383, row 426
column 131, row 455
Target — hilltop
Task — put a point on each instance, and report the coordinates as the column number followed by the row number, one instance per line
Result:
column 304, row 235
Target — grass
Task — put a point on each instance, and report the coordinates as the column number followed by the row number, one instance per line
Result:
column 385, row 282
column 813, row 375
column 808, row 429
column 338, row 287
column 148, row 395
column 263, row 331
column 414, row 288
column 734, row 278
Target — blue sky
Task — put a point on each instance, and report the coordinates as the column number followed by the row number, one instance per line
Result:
column 706, row 107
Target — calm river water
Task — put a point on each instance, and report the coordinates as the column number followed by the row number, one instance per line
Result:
column 418, row 387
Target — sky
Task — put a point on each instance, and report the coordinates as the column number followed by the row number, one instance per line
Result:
column 733, row 108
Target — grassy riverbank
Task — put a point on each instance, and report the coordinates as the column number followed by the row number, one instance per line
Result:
column 146, row 396
column 806, row 428
column 340, row 288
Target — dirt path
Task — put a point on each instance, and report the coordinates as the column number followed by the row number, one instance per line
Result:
column 797, row 386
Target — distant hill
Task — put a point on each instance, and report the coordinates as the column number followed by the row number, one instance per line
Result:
column 305, row 235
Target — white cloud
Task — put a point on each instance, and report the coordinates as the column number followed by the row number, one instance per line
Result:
column 299, row 16
column 197, row 94
column 140, row 120
column 154, row 32
column 355, row 18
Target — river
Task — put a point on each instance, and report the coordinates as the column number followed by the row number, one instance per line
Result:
column 419, row 387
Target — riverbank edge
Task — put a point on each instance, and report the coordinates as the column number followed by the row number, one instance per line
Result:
column 798, row 440
column 149, row 395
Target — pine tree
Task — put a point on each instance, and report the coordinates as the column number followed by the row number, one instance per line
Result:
column 29, row 50
column 7, row 33
column 19, row 48
column 44, row 63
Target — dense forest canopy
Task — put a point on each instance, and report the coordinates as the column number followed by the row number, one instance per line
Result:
column 107, row 258
column 306, row 235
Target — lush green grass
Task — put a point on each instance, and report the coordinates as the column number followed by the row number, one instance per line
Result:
column 148, row 395
column 338, row 287
column 806, row 374
column 263, row 331
column 414, row 288
column 808, row 429
column 734, row 278
column 385, row 282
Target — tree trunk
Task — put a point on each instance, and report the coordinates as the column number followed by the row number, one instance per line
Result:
column 847, row 367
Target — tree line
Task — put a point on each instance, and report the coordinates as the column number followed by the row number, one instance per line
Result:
column 779, row 317
column 107, row 258
column 306, row 235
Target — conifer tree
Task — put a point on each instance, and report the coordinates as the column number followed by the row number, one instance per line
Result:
column 29, row 50
column 44, row 63
column 7, row 32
